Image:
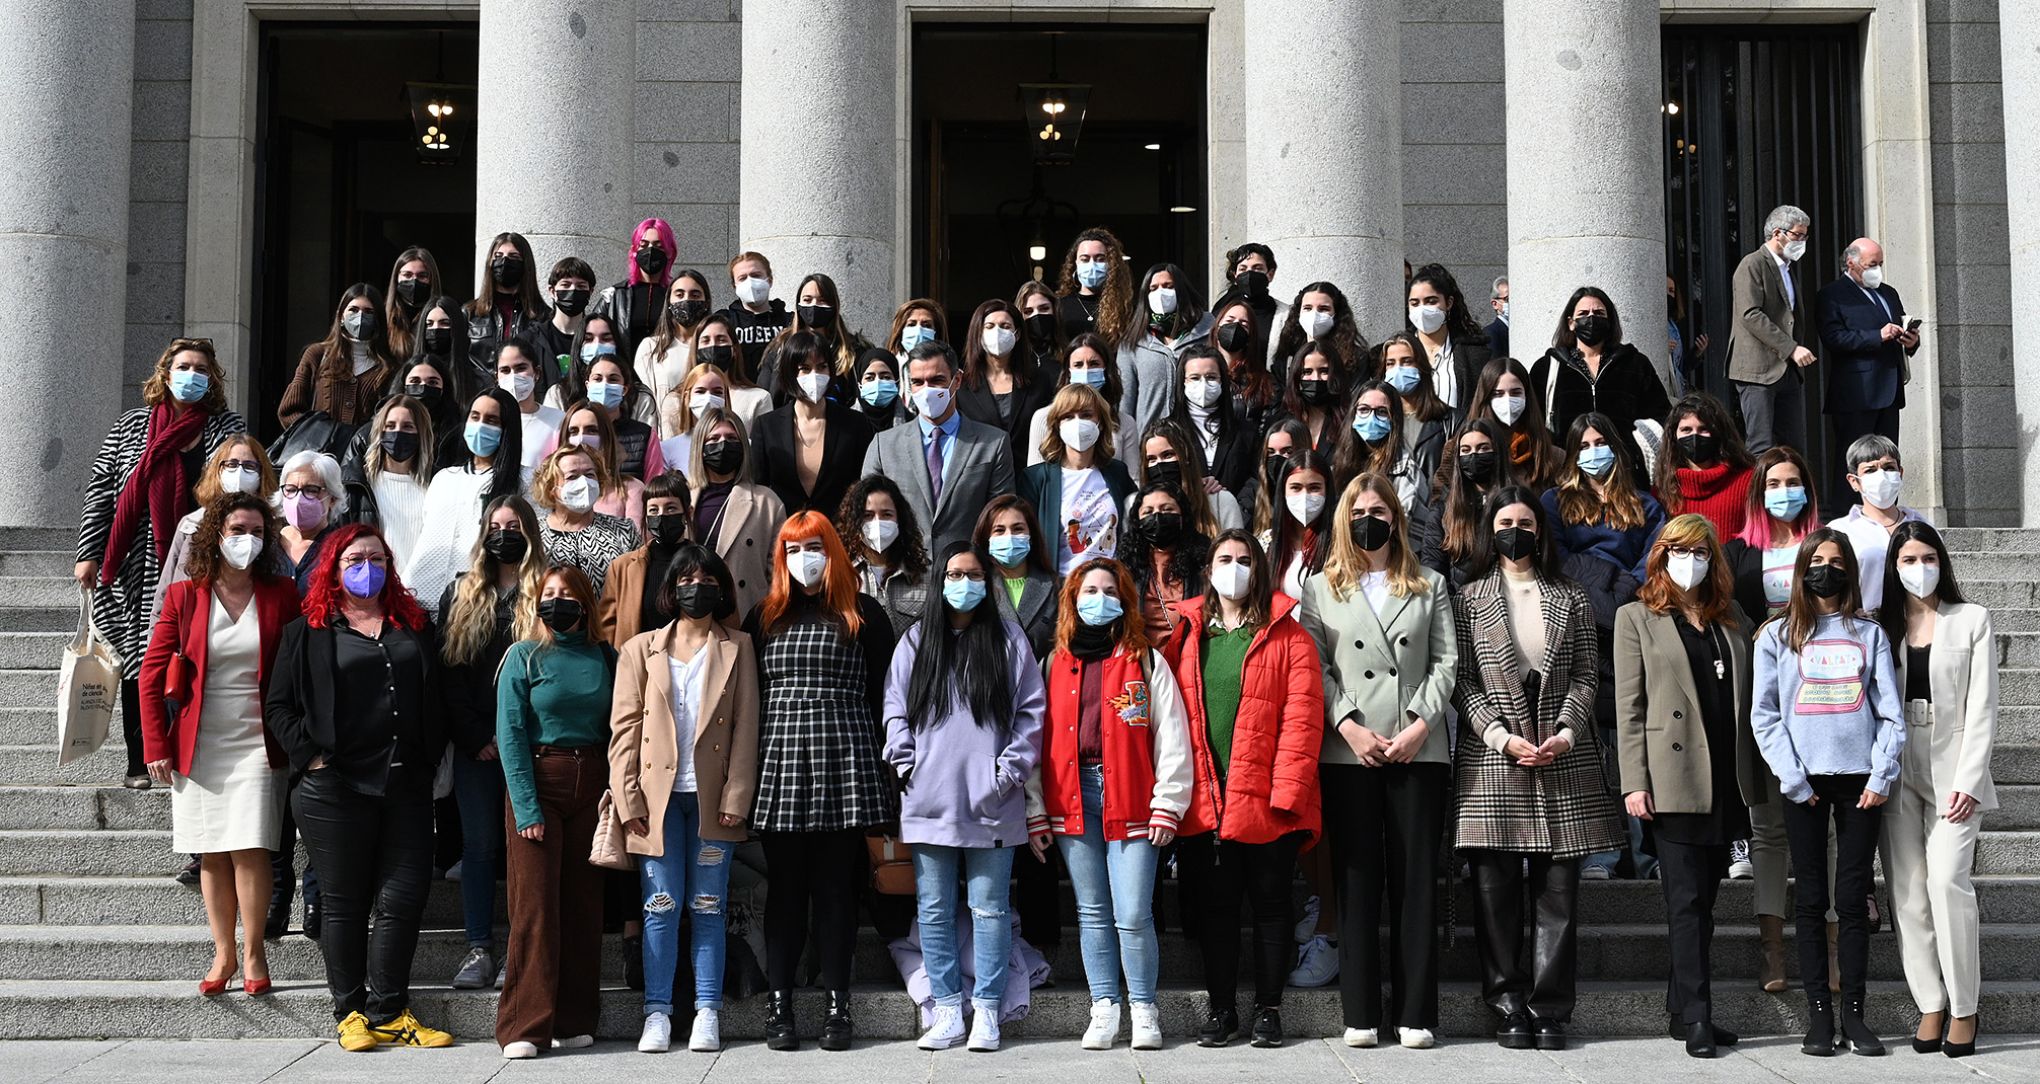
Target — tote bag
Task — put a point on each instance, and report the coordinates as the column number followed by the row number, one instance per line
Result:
column 88, row 688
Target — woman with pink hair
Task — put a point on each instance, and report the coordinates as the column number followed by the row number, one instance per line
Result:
column 633, row 305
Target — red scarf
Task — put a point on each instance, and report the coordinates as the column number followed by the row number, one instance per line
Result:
column 158, row 483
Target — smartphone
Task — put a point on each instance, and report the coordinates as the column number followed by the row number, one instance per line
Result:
column 1912, row 326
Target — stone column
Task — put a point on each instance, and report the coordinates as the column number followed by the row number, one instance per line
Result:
column 2018, row 30
column 820, row 148
column 1586, row 165
column 1324, row 150
column 553, row 130
column 68, row 114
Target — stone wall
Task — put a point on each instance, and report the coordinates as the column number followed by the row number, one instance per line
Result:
column 684, row 157
column 1455, row 170
column 157, row 181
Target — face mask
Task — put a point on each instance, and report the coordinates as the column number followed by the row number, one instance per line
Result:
column 1785, row 502
column 1428, row 318
column 1010, row 549
column 1372, row 428
column 701, row 402
column 1098, row 610
column 411, row 292
column 1078, row 433
column 1507, row 408
column 963, row 595
column 438, row 340
column 718, row 356
column 571, row 302
column 427, row 394
column 651, row 261
column 698, row 600
column 1273, row 467
column 364, row 580
column 1304, row 507
column 723, row 456
column 360, row 326
column 1202, row 391
column 1252, row 283
column 189, row 385
column 1370, row 533
column 1233, row 338
column 240, row 550
column 560, row 614
column 1314, row 392
column 753, row 289
column 914, row 335
column 1476, row 466
column 519, row 385
column 1826, row 581
column 304, row 513
column 879, row 393
column 1794, row 250
column 1404, row 378
column 1162, row 528
column 507, row 547
column 879, row 534
column 1162, row 301
column 1505, row 312
column 812, row 386
column 1873, row 277
column 807, row 566
column 605, row 395
column 578, row 494
column 687, row 313
column 1590, row 329
column 1314, row 323
column 1700, row 448
column 931, row 402
column 816, row 317
column 1041, row 327
column 667, row 528
column 1880, row 490
column 1919, row 580
column 590, row 441
column 1091, row 275
column 1686, row 570
column 999, row 341
column 239, row 480
column 590, row 351
column 506, row 271
column 1094, row 378
column 1231, row 580
column 1597, row 461
column 399, row 445
column 1516, row 543
column 1169, row 473
column 483, row 439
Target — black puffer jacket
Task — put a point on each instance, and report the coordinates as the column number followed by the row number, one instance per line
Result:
column 1627, row 390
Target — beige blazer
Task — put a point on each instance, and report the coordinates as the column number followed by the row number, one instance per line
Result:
column 1951, row 752
column 1660, row 739
column 744, row 538
column 1760, row 341
column 644, row 755
column 1383, row 668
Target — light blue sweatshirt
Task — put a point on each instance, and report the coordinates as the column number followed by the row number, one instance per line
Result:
column 1831, row 708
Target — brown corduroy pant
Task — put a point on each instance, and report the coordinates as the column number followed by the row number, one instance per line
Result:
column 553, row 967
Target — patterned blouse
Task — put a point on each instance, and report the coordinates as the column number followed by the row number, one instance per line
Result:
column 591, row 548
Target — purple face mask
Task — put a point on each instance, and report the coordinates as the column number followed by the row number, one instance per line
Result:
column 364, row 580
column 304, row 513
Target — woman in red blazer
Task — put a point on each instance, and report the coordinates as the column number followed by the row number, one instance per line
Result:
column 202, row 681
column 1251, row 680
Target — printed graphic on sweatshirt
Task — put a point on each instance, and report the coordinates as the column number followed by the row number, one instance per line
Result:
column 1831, row 677
column 1132, row 705
column 1090, row 518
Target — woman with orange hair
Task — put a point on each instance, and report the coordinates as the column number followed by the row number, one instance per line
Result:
column 823, row 653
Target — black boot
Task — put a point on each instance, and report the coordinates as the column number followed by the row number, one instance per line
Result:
column 1722, row 1036
column 1860, row 1037
column 836, row 1024
column 1514, row 1032
column 1700, row 1040
column 779, row 1033
column 1820, row 1027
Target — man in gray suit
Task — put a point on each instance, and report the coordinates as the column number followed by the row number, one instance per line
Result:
column 948, row 466
column 1763, row 358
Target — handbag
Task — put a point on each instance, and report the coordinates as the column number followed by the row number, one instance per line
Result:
column 177, row 681
column 609, row 851
column 88, row 688
column 892, row 865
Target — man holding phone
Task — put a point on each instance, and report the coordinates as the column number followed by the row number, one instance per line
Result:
column 1866, row 337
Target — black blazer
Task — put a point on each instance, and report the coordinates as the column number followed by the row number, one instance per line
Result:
column 1863, row 371
column 775, row 457
column 981, row 406
column 1498, row 338
column 1746, row 566
column 299, row 707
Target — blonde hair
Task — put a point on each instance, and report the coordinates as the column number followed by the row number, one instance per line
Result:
column 207, row 489
column 469, row 623
column 421, row 464
column 1347, row 563
column 682, row 395
column 1072, row 398
column 545, row 484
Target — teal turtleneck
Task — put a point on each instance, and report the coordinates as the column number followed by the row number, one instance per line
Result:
column 558, row 696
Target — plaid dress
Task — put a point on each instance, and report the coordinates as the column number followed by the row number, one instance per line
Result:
column 820, row 764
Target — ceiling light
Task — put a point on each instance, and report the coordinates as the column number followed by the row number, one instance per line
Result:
column 1179, row 209
column 1154, row 146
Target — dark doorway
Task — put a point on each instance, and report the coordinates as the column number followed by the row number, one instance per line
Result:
column 340, row 188
column 983, row 207
column 1755, row 118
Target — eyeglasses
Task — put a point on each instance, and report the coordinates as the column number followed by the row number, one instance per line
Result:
column 1362, row 413
column 958, row 576
column 240, row 464
column 356, row 560
column 1685, row 551
column 315, row 492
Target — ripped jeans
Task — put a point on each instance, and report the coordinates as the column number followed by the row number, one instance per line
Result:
column 695, row 874
column 986, row 873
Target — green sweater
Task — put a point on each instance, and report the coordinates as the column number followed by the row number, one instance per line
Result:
column 1225, row 660
column 557, row 696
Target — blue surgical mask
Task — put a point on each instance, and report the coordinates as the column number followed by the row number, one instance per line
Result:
column 189, row 385
column 1597, row 461
column 914, row 335
column 1099, row 609
column 606, row 396
column 880, row 393
column 1371, row 427
column 1785, row 502
column 1403, row 378
column 1092, row 377
column 483, row 439
column 1091, row 275
column 592, row 350
column 963, row 595
column 1010, row 549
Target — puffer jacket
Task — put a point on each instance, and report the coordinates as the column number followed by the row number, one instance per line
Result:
column 1271, row 783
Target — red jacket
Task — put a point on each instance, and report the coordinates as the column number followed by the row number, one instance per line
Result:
column 1271, row 782
column 1143, row 750
column 183, row 625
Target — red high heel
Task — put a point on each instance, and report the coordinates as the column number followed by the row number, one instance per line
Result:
column 255, row 987
column 214, row 987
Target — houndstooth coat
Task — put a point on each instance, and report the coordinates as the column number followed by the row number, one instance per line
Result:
column 1564, row 810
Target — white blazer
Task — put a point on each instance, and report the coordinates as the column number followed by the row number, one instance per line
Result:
column 1963, row 678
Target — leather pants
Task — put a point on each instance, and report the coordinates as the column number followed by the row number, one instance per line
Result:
column 1547, row 990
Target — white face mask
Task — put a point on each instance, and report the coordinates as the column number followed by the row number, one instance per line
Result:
column 590, row 441
column 1078, row 433
column 1880, row 490
column 1230, row 581
column 1919, row 580
column 519, row 385
column 807, row 566
column 1162, row 301
column 1795, row 249
column 753, row 289
column 813, row 386
column 931, row 402
column 879, row 533
column 999, row 340
column 239, row 480
column 1428, row 318
column 240, row 550
column 1305, row 506
column 1201, row 391
column 1314, row 323
column 1873, row 277
column 1507, row 407
column 704, row 401
column 578, row 494
column 1686, row 570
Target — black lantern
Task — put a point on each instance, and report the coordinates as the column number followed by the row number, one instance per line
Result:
column 443, row 119
column 1054, row 114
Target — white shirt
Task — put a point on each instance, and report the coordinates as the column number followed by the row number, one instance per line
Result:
column 1785, row 272
column 686, row 709
column 1870, row 540
column 1374, row 585
column 452, row 521
column 1445, row 379
column 540, row 426
column 1088, row 514
column 400, row 504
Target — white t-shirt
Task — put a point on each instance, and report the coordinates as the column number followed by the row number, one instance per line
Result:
column 686, row 710
column 1374, row 585
column 540, row 426
column 1777, row 581
column 1089, row 523
column 1444, row 378
column 400, row 503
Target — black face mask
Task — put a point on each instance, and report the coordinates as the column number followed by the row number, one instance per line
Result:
column 1700, row 448
column 651, row 261
column 427, row 394
column 370, row 324
column 506, row 271
column 560, row 614
column 698, row 600
column 667, row 530
column 1254, row 284
column 1041, row 327
column 1591, row 329
column 1162, row 528
column 1272, row 468
column 399, row 445
column 723, row 456
column 1369, row 532
column 1477, row 467
column 1233, row 338
column 507, row 547
column 571, row 302
column 1827, row 581
column 718, row 356
column 412, row 293
column 438, row 340
column 1169, row 473
column 687, row 313
column 1516, row 543
column 816, row 317
column 1314, row 392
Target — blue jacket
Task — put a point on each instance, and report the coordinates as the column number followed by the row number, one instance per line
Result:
column 1863, row 371
column 1831, row 708
column 1624, row 549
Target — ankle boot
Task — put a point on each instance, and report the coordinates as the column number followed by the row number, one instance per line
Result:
column 836, row 1024
column 1820, row 1027
column 1771, row 929
column 1834, row 959
column 779, row 1032
column 1860, row 1037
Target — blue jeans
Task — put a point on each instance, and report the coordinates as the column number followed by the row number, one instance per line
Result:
column 987, row 873
column 665, row 881
column 1114, row 883
column 478, row 791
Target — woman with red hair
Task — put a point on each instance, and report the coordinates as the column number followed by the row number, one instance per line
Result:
column 632, row 306
column 354, row 701
column 823, row 653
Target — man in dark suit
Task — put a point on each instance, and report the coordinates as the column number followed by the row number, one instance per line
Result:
column 1764, row 360
column 948, row 466
column 1863, row 334
column 1498, row 331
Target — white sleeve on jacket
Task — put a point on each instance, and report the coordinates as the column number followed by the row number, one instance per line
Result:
column 1170, row 721
column 1979, row 734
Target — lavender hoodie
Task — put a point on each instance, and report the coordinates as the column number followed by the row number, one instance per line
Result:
column 966, row 787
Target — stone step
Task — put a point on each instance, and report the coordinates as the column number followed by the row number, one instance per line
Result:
column 38, row 726
column 31, row 807
column 1968, row 539
column 51, row 564
column 55, row 592
column 84, row 852
column 36, row 765
column 28, row 688
column 2011, row 594
column 2008, row 852
column 2015, row 764
column 39, row 538
column 33, row 650
column 62, row 619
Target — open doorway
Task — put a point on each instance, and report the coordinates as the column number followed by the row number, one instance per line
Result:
column 341, row 187
column 988, row 215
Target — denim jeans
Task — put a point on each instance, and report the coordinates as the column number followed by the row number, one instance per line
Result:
column 478, row 789
column 690, row 863
column 1114, row 884
column 987, row 873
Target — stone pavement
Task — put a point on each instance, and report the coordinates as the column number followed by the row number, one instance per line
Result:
column 2013, row 1059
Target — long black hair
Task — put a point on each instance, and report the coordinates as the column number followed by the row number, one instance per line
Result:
column 962, row 667
column 1544, row 562
column 1891, row 614
column 507, row 464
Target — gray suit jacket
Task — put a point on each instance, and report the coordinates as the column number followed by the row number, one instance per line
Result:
column 1760, row 341
column 978, row 468
column 1383, row 668
column 1660, row 738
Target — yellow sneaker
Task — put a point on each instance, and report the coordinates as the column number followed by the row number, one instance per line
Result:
column 405, row 1030
column 356, row 1035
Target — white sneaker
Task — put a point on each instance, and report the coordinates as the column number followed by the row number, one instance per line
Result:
column 1416, row 1038
column 1362, row 1037
column 984, row 1026
column 1147, row 1026
column 1317, row 963
column 1739, row 866
column 519, row 1051
column 706, row 1036
column 1104, row 1029
column 1306, row 923
column 453, row 872
column 574, row 1042
column 658, row 1034
column 946, row 1030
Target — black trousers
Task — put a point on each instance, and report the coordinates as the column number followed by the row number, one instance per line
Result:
column 374, row 854
column 1220, row 874
column 1037, row 896
column 1386, row 825
column 1691, row 875
column 822, row 870
column 131, row 724
column 1806, row 832
column 1546, row 988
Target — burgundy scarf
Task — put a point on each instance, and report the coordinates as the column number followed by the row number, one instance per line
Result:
column 159, row 484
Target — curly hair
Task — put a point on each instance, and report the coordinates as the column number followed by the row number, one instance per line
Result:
column 322, row 596
column 909, row 550
column 204, row 561
column 1115, row 297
